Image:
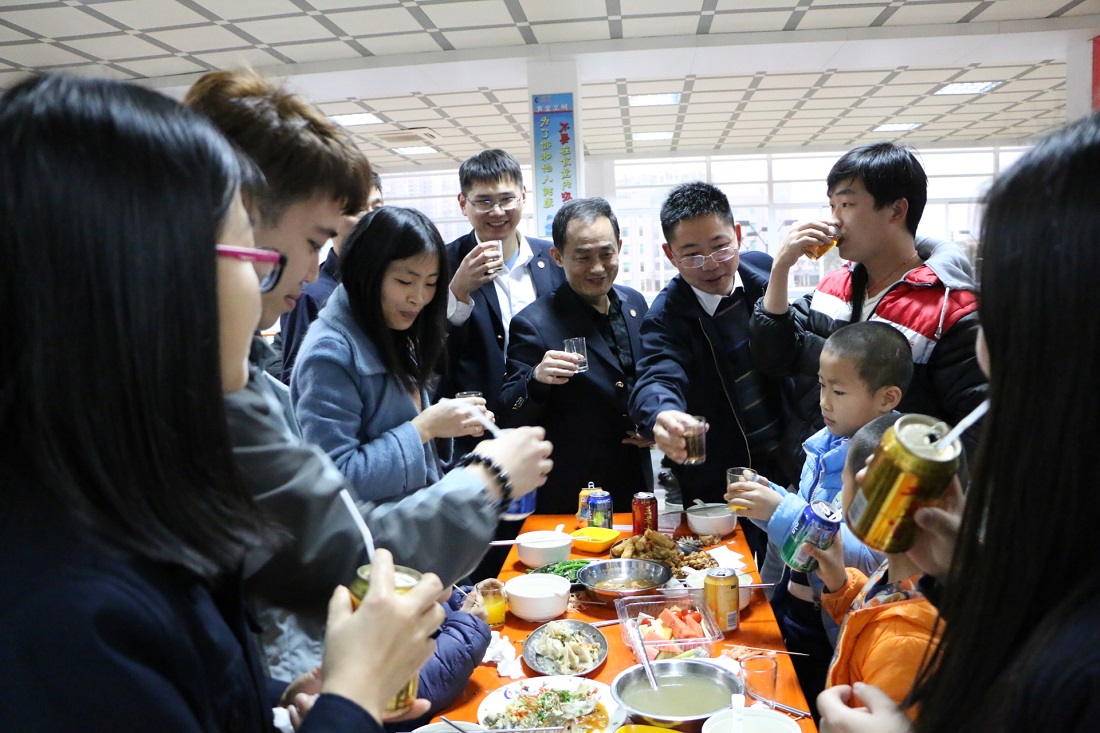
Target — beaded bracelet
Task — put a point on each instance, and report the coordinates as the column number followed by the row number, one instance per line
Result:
column 497, row 472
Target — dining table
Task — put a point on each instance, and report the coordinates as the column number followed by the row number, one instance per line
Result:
column 757, row 627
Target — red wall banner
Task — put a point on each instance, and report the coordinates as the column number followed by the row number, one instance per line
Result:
column 1096, row 73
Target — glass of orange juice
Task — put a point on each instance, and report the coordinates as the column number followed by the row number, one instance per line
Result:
column 495, row 606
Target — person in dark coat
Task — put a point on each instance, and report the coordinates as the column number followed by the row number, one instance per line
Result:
column 497, row 273
column 126, row 522
column 584, row 413
column 696, row 358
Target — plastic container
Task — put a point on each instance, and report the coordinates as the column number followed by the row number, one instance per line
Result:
column 629, row 609
column 595, row 539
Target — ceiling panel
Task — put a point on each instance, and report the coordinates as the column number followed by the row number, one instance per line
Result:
column 840, row 95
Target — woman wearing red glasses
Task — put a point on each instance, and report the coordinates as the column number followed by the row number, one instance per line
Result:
column 126, row 521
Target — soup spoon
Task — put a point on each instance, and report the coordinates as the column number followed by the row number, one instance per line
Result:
column 639, row 645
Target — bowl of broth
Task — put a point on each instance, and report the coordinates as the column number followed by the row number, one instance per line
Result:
column 688, row 692
column 612, row 579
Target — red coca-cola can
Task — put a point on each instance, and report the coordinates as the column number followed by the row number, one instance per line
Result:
column 645, row 512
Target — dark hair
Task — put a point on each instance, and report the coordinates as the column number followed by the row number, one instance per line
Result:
column 1040, row 248
column 375, row 181
column 489, row 166
column 690, row 201
column 110, row 400
column 587, row 210
column 882, row 355
column 383, row 236
column 889, row 172
column 301, row 152
column 865, row 440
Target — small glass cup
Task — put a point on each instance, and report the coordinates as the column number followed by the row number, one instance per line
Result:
column 737, row 475
column 759, row 673
column 495, row 606
column 817, row 251
column 494, row 261
column 473, row 393
column 695, row 437
column 577, row 346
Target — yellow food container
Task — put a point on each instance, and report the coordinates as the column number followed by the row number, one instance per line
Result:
column 594, row 539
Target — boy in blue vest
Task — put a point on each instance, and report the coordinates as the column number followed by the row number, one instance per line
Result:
column 863, row 372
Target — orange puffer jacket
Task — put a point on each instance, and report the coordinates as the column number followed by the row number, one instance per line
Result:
column 883, row 639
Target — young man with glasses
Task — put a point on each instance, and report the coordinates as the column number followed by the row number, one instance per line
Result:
column 497, row 272
column 695, row 349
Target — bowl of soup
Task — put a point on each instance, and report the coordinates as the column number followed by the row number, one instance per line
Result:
column 611, row 579
column 688, row 692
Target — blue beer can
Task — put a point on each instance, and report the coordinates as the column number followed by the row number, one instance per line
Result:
column 521, row 508
column 599, row 508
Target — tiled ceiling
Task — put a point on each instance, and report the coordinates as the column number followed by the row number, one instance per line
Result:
column 775, row 107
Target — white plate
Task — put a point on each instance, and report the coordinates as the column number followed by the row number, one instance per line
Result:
column 757, row 720
column 496, row 701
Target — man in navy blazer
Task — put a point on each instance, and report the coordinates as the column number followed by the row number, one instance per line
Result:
column 584, row 413
column 696, row 356
column 496, row 272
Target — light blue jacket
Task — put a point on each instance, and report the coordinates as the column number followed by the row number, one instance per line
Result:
column 347, row 403
column 820, row 481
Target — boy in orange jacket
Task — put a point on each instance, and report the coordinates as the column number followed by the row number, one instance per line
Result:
column 887, row 625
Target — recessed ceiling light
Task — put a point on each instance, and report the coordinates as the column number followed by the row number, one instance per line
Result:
column 653, row 136
column 358, row 118
column 897, row 127
column 653, row 100
column 969, row 87
column 416, row 150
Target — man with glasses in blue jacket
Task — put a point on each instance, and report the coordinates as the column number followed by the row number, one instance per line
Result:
column 696, row 359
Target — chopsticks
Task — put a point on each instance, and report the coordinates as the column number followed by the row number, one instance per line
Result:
column 779, row 706
column 773, row 651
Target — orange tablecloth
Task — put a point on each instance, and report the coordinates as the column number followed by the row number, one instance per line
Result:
column 758, row 628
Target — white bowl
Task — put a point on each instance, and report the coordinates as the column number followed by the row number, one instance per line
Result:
column 446, row 728
column 756, row 719
column 715, row 519
column 543, row 547
column 537, row 596
column 744, row 595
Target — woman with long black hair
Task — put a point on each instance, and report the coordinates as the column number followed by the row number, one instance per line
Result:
column 362, row 382
column 1021, row 599
column 130, row 293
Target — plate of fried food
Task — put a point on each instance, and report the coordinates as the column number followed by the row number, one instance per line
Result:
column 661, row 548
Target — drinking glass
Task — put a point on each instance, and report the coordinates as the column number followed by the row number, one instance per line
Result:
column 759, row 673
column 495, row 606
column 695, row 436
column 494, row 259
column 736, row 475
column 816, row 251
column 577, row 346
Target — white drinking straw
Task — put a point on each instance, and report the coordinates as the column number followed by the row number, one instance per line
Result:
column 368, row 541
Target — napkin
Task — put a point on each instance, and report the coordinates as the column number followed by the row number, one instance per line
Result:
column 727, row 558
column 502, row 653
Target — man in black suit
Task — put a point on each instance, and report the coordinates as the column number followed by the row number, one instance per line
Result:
column 496, row 273
column 584, row 413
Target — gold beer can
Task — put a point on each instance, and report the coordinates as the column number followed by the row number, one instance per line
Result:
column 584, row 512
column 721, row 594
column 908, row 471
column 403, row 579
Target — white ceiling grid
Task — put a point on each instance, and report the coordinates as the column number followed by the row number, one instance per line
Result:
column 762, row 110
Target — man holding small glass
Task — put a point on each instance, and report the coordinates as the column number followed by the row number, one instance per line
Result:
column 696, row 359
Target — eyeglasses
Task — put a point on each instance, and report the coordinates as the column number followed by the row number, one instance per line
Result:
column 484, row 206
column 268, row 263
column 723, row 254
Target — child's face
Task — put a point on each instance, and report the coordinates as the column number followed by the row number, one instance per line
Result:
column 847, row 403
